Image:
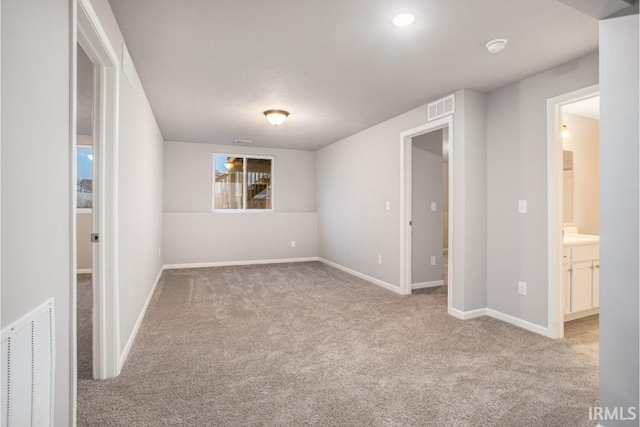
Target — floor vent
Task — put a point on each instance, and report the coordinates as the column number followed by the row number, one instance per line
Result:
column 440, row 108
column 28, row 355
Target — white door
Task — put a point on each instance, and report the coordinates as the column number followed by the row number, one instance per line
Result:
column 566, row 275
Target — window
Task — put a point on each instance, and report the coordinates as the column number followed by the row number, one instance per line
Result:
column 242, row 183
column 84, row 188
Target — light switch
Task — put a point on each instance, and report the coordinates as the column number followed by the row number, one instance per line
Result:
column 522, row 206
column 433, row 260
column 433, row 206
column 387, row 206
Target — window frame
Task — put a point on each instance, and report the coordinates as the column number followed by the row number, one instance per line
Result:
column 79, row 147
column 244, row 209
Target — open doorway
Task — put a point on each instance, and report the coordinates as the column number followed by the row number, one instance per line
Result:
column 430, row 146
column 84, row 214
column 430, row 209
column 581, row 220
column 574, row 232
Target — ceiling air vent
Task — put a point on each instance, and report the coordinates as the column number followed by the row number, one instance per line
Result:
column 243, row 141
column 440, row 108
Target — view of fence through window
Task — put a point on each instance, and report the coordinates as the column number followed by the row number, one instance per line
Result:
column 242, row 183
column 85, row 177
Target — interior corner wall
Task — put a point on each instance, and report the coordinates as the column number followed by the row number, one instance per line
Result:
column 357, row 175
column 619, row 213
column 517, row 245
column 193, row 234
column 36, row 200
column 426, row 231
column 140, row 162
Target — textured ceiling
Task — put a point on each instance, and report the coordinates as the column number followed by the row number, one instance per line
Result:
column 211, row 67
column 589, row 108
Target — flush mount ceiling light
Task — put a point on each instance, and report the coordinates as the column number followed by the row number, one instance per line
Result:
column 404, row 19
column 565, row 132
column 276, row 117
column 496, row 45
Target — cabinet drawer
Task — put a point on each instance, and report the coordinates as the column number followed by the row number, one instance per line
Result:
column 585, row 253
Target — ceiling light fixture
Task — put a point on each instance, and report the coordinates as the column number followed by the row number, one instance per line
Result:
column 565, row 132
column 496, row 45
column 404, row 19
column 276, row 117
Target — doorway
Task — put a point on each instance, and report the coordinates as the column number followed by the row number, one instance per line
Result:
column 84, row 214
column 429, row 216
column 573, row 216
column 96, row 118
column 440, row 131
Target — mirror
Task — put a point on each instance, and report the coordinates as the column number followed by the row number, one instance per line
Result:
column 567, row 157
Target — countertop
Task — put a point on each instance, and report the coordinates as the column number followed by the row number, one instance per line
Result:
column 580, row 239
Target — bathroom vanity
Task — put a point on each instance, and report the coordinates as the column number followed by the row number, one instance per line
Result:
column 581, row 272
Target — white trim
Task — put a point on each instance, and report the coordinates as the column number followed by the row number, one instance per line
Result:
column 84, row 271
column 432, row 284
column 466, row 315
column 555, row 303
column 532, row 327
column 90, row 34
column 363, row 276
column 84, row 210
column 136, row 327
column 405, row 203
column 232, row 263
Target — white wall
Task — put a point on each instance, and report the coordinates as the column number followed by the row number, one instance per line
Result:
column 140, row 189
column 426, row 231
column 584, row 142
column 36, row 172
column 517, row 156
column 194, row 234
column 619, row 204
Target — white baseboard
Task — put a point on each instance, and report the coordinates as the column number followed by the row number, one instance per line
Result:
column 232, row 263
column 134, row 333
column 84, row 271
column 432, row 284
column 466, row 315
column 532, row 327
column 472, row 314
column 363, row 276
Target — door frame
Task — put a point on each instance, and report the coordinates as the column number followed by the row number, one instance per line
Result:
column 406, row 178
column 555, row 304
column 89, row 33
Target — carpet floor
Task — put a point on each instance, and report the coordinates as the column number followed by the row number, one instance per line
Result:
column 306, row 344
column 85, row 332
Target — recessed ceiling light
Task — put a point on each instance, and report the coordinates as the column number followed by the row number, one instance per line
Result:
column 496, row 45
column 404, row 19
column 276, row 117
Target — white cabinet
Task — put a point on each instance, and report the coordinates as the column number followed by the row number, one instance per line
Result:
column 581, row 274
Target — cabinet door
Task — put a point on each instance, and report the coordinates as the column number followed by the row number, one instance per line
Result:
column 596, row 283
column 566, row 281
column 582, row 286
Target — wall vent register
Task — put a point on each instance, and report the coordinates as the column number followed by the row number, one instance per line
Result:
column 441, row 108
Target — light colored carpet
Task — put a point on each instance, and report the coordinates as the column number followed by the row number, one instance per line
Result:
column 85, row 333
column 305, row 344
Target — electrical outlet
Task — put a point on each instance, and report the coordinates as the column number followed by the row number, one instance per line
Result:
column 522, row 206
column 433, row 260
column 433, row 206
column 379, row 259
column 387, row 206
column 293, row 243
column 522, row 288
